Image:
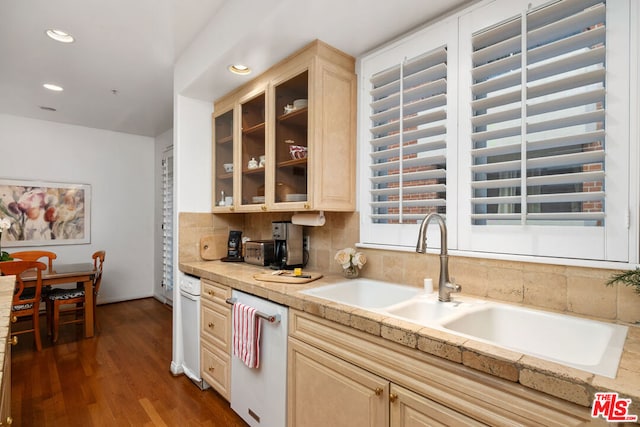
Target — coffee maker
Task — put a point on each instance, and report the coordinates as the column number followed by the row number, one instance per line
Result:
column 288, row 245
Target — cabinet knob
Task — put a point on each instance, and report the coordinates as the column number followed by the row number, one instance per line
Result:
column 378, row 391
column 210, row 292
column 393, row 397
column 14, row 319
column 263, row 207
column 232, row 209
column 211, row 325
column 211, row 369
column 14, row 340
column 7, row 422
column 307, row 206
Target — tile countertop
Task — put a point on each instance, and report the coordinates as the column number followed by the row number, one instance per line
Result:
column 567, row 383
column 7, row 285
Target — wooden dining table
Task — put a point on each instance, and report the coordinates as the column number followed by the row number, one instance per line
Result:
column 64, row 274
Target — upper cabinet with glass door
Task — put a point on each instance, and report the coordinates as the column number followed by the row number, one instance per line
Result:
column 253, row 148
column 223, row 160
column 302, row 156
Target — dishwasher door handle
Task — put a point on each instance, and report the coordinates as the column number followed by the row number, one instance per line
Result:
column 271, row 318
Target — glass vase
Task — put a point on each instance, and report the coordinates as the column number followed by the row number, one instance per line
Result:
column 351, row 272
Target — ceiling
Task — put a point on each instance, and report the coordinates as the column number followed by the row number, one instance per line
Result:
column 119, row 73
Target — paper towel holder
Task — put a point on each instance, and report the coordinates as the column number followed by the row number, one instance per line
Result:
column 309, row 219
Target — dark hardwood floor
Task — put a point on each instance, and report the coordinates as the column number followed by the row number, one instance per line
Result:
column 120, row 377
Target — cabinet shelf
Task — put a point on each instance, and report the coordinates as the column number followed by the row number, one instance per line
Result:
column 225, row 175
column 248, row 171
column 296, row 162
column 254, row 129
column 294, row 116
column 225, row 140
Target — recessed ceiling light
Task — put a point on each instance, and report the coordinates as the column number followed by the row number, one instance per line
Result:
column 59, row 35
column 53, row 87
column 239, row 69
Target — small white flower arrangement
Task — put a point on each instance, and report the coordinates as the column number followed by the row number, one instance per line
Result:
column 5, row 224
column 351, row 261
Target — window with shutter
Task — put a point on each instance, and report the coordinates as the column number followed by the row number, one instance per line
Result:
column 512, row 117
column 407, row 140
column 538, row 117
column 547, row 125
column 167, row 223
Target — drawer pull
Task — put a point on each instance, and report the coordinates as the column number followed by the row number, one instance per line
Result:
column 393, row 397
column 211, row 325
column 210, row 292
column 378, row 391
column 14, row 340
column 211, row 369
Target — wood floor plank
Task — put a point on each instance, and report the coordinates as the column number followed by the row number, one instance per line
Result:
column 120, row 377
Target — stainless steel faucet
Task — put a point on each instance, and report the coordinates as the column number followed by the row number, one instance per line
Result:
column 445, row 287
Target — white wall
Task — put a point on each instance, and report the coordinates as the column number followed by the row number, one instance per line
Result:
column 119, row 167
column 192, row 186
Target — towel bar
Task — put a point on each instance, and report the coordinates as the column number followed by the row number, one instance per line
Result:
column 271, row 318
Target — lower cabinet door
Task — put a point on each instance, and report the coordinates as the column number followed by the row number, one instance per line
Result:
column 409, row 409
column 216, row 369
column 327, row 391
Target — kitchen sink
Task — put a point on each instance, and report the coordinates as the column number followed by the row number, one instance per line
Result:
column 365, row 293
column 582, row 343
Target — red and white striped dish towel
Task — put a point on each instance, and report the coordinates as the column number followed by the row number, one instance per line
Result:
column 246, row 334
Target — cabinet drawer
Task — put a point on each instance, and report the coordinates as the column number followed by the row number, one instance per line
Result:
column 216, row 370
column 216, row 325
column 215, row 292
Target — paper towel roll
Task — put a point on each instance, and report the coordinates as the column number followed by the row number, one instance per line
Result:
column 309, row 219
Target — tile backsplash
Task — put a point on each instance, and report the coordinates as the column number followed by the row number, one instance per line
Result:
column 575, row 290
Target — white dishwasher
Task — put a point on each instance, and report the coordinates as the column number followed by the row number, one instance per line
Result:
column 259, row 395
column 190, row 288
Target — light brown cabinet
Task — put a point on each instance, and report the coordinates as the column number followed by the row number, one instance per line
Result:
column 338, row 374
column 294, row 136
column 215, row 337
column 319, row 381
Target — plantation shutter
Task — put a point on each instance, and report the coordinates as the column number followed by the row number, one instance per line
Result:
column 408, row 139
column 167, row 223
column 538, row 118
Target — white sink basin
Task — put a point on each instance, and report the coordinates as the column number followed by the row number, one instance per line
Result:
column 365, row 293
column 584, row 344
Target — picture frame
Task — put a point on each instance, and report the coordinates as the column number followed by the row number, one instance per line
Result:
column 45, row 213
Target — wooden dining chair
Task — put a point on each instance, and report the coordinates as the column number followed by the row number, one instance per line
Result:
column 26, row 300
column 59, row 297
column 35, row 256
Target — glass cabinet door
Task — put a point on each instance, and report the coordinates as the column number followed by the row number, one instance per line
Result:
column 291, row 136
column 223, row 158
column 253, row 151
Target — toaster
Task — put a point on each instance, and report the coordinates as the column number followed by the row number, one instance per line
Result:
column 259, row 252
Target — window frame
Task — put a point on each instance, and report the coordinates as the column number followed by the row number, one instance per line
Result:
column 532, row 243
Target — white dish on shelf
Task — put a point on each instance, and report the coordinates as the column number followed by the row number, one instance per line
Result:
column 257, row 199
column 300, row 103
column 295, row 197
